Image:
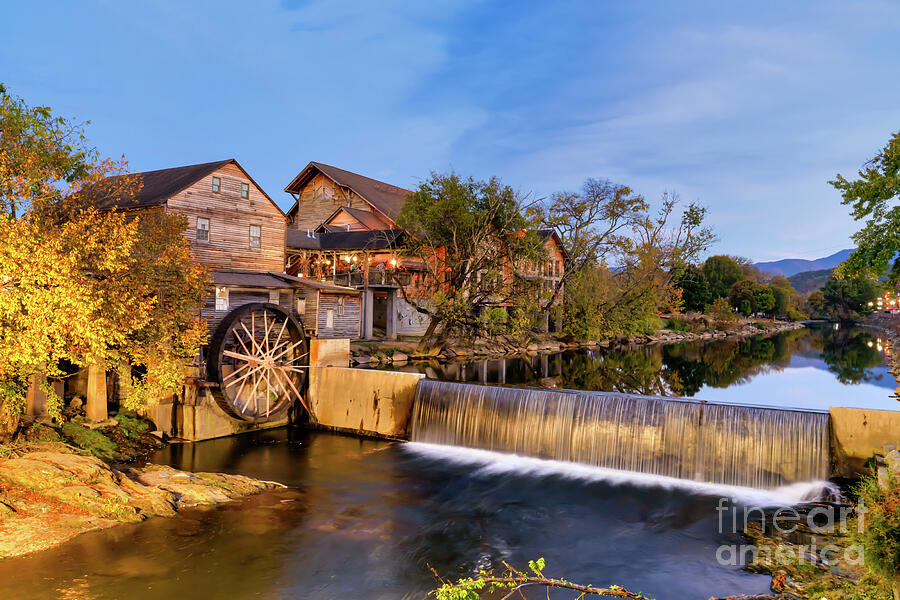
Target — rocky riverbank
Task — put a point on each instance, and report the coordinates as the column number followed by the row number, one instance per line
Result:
column 48, row 497
column 401, row 352
column 58, row 480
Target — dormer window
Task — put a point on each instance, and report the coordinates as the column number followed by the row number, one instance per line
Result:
column 245, row 190
column 255, row 237
column 202, row 229
column 217, row 183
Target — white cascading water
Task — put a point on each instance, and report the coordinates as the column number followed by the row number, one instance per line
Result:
column 734, row 445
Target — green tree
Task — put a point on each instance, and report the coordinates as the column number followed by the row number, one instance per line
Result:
column 742, row 297
column 763, row 298
column 721, row 272
column 815, row 304
column 849, row 300
column 874, row 198
column 474, row 240
column 87, row 287
column 751, row 297
column 785, row 295
column 694, row 288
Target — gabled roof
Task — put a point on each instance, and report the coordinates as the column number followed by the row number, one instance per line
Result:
column 546, row 234
column 160, row 185
column 363, row 217
column 385, row 198
column 344, row 240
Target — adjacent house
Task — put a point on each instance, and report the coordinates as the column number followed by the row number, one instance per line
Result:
column 342, row 229
column 237, row 231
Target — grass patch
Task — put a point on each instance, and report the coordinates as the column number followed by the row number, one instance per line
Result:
column 132, row 426
column 87, row 439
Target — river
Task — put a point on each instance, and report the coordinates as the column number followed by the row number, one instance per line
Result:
column 368, row 519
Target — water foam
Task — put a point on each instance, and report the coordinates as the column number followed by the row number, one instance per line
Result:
column 487, row 463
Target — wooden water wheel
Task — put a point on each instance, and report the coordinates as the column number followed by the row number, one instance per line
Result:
column 258, row 356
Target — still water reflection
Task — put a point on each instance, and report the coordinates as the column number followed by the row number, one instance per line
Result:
column 816, row 367
column 363, row 519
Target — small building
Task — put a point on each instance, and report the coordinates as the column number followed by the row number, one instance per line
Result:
column 342, row 230
column 328, row 310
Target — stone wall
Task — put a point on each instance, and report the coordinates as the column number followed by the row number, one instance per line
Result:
column 363, row 401
column 857, row 434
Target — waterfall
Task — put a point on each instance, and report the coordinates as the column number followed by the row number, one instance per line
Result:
column 718, row 443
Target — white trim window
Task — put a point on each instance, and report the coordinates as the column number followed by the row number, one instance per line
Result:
column 245, row 190
column 255, row 237
column 221, row 297
column 202, row 229
column 340, row 310
column 216, row 185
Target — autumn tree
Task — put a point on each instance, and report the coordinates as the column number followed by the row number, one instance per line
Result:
column 475, row 243
column 592, row 225
column 82, row 285
column 874, row 198
column 622, row 289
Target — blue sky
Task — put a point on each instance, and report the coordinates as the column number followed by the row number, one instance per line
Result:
column 749, row 108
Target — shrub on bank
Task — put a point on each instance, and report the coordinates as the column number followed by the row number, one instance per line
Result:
column 881, row 535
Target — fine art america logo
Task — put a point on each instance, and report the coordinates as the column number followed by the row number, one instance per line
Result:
column 789, row 523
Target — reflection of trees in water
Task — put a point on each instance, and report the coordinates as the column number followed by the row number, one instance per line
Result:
column 850, row 353
column 682, row 369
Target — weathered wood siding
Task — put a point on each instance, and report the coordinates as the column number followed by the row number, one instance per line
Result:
column 346, row 221
column 238, row 297
column 346, row 325
column 319, row 198
column 309, row 315
column 230, row 217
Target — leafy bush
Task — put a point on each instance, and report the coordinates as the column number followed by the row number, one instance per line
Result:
column 881, row 534
column 794, row 314
column 724, row 318
column 494, row 320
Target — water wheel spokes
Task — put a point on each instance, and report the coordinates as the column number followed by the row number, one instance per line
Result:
column 257, row 355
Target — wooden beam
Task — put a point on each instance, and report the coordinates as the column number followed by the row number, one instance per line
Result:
column 95, row 408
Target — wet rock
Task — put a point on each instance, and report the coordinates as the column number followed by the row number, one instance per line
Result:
column 399, row 357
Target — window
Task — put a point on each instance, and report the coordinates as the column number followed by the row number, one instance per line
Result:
column 221, row 298
column 329, row 319
column 245, row 190
column 341, row 306
column 301, row 306
column 217, row 183
column 202, row 229
column 255, row 237
column 273, row 296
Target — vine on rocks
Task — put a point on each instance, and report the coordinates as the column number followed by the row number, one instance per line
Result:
column 515, row 581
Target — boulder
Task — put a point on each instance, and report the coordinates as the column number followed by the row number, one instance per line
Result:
column 398, row 357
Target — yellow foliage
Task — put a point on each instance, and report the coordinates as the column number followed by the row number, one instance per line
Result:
column 82, row 285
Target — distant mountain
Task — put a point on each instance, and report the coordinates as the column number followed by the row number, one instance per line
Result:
column 810, row 281
column 792, row 266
